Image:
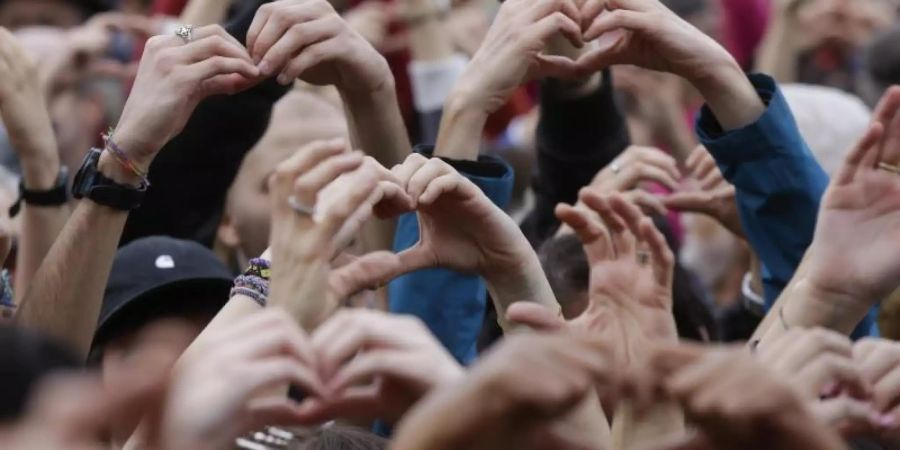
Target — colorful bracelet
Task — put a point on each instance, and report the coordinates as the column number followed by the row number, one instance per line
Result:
column 122, row 158
column 260, row 268
column 252, row 286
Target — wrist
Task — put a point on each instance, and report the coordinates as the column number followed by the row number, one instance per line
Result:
column 729, row 94
column 811, row 304
column 462, row 123
column 140, row 152
column 114, row 170
column 40, row 173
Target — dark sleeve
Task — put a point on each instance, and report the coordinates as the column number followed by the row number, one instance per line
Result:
column 575, row 139
column 191, row 176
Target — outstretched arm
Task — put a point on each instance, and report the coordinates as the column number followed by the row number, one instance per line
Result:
column 65, row 298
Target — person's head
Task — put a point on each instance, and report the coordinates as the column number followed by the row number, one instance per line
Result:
column 881, row 61
column 26, row 357
column 55, row 13
column 339, row 437
column 830, row 120
column 299, row 118
column 155, row 279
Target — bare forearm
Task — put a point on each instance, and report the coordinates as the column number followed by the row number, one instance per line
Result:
column 67, row 291
column 377, row 125
column 730, row 96
column 527, row 283
column 461, row 127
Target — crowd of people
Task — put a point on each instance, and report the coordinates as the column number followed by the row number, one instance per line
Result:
column 624, row 224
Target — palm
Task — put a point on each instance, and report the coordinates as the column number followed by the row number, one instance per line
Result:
column 859, row 225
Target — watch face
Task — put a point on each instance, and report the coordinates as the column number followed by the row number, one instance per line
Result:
column 85, row 176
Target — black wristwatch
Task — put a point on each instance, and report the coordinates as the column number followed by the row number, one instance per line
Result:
column 90, row 183
column 55, row 196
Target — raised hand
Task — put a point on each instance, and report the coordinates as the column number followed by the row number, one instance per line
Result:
column 309, row 228
column 631, row 265
column 24, row 112
column 172, row 79
column 732, row 399
column 377, row 365
column 879, row 362
column 813, row 361
column 530, row 381
column 510, row 54
column 852, row 262
column 308, row 39
column 211, row 400
column 705, row 191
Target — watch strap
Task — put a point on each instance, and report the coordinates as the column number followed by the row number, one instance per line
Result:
column 90, row 183
column 55, row 196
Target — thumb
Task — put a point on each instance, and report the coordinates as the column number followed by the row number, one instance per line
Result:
column 534, row 316
column 374, row 270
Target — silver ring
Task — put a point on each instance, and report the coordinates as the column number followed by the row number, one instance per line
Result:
column 303, row 210
column 615, row 167
column 186, row 33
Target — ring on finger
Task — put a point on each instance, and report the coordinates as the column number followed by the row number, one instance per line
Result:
column 300, row 208
column 186, row 33
column 615, row 167
column 643, row 257
column 892, row 168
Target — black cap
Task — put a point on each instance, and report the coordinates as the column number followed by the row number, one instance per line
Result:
column 160, row 277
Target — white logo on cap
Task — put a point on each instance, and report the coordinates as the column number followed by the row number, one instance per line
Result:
column 165, row 262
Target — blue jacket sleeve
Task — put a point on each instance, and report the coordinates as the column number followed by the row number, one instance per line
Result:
column 778, row 182
column 451, row 304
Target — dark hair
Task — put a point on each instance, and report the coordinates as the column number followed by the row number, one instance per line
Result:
column 882, row 61
column 26, row 357
column 568, row 272
column 339, row 437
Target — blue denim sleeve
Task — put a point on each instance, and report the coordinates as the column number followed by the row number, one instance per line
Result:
column 451, row 304
column 778, row 182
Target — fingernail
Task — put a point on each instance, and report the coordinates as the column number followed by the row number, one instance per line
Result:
column 885, row 420
column 265, row 68
column 283, row 79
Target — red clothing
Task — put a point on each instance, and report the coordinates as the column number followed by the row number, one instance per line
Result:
column 745, row 25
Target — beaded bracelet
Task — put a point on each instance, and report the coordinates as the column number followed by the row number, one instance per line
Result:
column 122, row 158
column 252, row 286
column 260, row 268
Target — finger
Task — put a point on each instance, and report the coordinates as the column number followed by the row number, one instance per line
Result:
column 559, row 23
column 847, row 415
column 227, row 84
column 693, row 160
column 311, row 56
column 535, row 316
column 296, row 39
column 631, row 176
column 831, row 368
column 278, row 340
column 370, row 271
column 890, row 143
column 420, row 180
column 592, row 235
column 405, row 170
column 692, row 441
column 812, row 344
column 712, row 179
column 394, row 201
column 444, row 184
column 886, row 392
column 614, row 20
column 302, row 160
column 864, row 155
column 367, row 365
column 703, row 168
column 219, row 65
column 356, row 404
column 650, row 204
column 658, row 158
column 553, row 66
column 629, row 213
column 688, row 201
column 308, row 185
column 541, row 9
column 887, row 106
column 259, row 21
column 622, row 239
column 661, row 256
column 332, row 219
column 277, row 25
column 271, row 411
column 590, row 10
